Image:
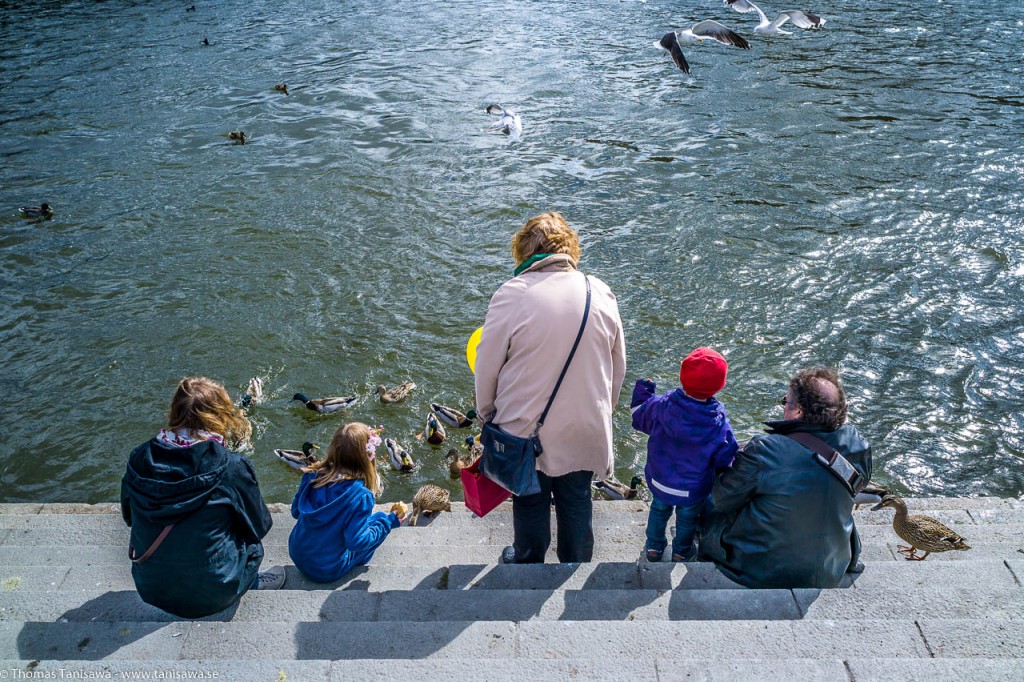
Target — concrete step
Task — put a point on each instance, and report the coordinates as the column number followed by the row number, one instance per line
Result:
column 414, row 554
column 523, row 605
column 984, row 574
column 620, row 641
column 502, row 670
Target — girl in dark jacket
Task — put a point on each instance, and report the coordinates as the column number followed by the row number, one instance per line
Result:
column 195, row 509
column 336, row 528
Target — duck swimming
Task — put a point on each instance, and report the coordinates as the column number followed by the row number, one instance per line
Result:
column 283, row 87
column 237, row 135
column 453, row 418
column 326, row 405
column 42, row 211
column 428, row 500
column 456, row 463
column 396, row 394
column 432, row 430
column 299, row 459
column 614, row 490
column 397, row 456
column 253, row 393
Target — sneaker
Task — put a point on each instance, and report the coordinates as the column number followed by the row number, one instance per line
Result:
column 508, row 555
column 272, row 579
column 679, row 557
column 652, row 554
column 856, row 568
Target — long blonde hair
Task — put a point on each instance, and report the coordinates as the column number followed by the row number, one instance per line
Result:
column 546, row 233
column 201, row 404
column 347, row 458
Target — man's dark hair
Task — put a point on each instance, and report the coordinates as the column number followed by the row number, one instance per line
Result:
column 819, row 393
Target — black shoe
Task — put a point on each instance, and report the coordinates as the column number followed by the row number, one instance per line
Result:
column 856, row 568
column 508, row 555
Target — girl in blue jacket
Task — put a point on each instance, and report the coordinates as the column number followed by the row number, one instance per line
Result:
column 336, row 528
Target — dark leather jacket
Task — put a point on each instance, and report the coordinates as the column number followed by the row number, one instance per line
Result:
column 781, row 519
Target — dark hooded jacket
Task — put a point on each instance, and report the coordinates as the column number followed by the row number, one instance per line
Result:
column 781, row 519
column 210, row 557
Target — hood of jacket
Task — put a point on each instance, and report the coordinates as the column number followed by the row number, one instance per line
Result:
column 166, row 483
column 694, row 418
column 329, row 506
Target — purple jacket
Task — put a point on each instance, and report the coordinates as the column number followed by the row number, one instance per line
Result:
column 689, row 441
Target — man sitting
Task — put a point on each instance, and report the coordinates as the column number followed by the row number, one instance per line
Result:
column 782, row 517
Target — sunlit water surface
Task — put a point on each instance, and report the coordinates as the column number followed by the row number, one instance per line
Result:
column 850, row 196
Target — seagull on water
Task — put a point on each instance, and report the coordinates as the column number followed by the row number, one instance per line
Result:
column 509, row 123
column 695, row 35
column 768, row 28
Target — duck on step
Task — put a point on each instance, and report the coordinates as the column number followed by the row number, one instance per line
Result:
column 922, row 532
column 614, row 490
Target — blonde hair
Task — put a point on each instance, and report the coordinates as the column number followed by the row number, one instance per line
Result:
column 201, row 404
column 546, row 233
column 347, row 458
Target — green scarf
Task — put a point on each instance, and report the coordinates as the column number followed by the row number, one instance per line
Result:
column 528, row 262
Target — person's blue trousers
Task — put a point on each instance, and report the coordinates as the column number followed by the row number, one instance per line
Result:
column 683, row 544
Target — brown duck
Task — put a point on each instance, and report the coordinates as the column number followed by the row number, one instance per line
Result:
column 922, row 532
column 428, row 500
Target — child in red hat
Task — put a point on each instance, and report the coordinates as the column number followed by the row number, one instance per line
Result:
column 690, row 439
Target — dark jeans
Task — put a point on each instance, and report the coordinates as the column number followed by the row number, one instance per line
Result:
column 683, row 544
column 531, row 519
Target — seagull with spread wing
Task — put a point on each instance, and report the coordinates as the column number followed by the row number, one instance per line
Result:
column 697, row 34
column 771, row 27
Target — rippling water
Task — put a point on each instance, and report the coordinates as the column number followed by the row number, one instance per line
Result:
column 851, row 196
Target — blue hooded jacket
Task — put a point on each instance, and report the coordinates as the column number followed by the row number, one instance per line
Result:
column 689, row 441
column 335, row 524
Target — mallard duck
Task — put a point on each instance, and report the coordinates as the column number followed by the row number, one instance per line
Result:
column 615, row 490
column 922, row 532
column 453, row 418
column 326, row 405
column 190, row 8
column 253, row 393
column 399, row 458
column 396, row 394
column 872, row 493
column 298, row 459
column 206, row 42
column 456, row 463
column 42, row 211
column 432, row 430
column 237, row 135
column 430, row 499
column 282, row 87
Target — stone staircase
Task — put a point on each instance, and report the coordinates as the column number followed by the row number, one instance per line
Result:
column 435, row 603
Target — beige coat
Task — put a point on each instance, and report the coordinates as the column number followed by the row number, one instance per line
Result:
column 531, row 324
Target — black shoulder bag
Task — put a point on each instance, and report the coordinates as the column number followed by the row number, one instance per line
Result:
column 834, row 463
column 510, row 461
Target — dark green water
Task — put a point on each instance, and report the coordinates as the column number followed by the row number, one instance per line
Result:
column 851, row 196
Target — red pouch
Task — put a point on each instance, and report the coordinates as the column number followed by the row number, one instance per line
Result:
column 482, row 494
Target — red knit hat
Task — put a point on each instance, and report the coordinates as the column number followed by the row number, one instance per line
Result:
column 702, row 373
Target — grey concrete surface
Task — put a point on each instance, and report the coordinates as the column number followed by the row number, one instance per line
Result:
column 434, row 602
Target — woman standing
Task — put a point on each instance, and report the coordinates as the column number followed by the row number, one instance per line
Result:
column 195, row 509
column 531, row 324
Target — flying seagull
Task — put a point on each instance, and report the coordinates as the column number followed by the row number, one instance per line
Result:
column 696, row 34
column 766, row 27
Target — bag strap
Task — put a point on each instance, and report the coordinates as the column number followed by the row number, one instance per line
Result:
column 834, row 463
column 152, row 548
column 575, row 345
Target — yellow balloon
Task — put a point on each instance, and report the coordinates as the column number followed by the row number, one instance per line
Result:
column 474, row 341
